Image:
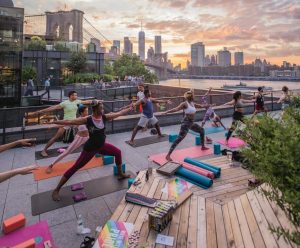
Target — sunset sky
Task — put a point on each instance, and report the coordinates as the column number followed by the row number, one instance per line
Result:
column 260, row 28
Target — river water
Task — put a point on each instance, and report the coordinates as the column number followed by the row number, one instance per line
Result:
column 216, row 83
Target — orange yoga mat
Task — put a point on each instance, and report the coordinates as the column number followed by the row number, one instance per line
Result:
column 60, row 168
column 180, row 155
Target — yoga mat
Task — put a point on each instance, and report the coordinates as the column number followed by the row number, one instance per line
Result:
column 209, row 130
column 233, row 142
column 198, row 170
column 60, row 168
column 175, row 187
column 53, row 153
column 179, row 155
column 39, row 232
column 42, row 202
column 194, row 178
column 213, row 169
column 148, row 140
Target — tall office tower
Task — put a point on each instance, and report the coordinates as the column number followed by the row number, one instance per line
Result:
column 157, row 45
column 224, row 58
column 238, row 58
column 127, row 46
column 198, row 54
column 142, row 43
column 117, row 43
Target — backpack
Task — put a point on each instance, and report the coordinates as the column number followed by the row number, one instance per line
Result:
column 69, row 135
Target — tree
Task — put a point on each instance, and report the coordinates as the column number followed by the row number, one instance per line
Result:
column 273, row 157
column 28, row 72
column 77, row 62
column 108, row 68
column 36, row 43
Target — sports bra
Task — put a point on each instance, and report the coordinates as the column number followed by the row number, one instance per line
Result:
column 82, row 128
column 238, row 105
column 190, row 109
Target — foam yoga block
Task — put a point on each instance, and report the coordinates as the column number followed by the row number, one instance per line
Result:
column 194, row 178
column 116, row 169
column 130, row 182
column 198, row 170
column 213, row 169
column 108, row 160
column 13, row 223
column 197, row 141
column 172, row 137
column 217, row 149
column 27, row 244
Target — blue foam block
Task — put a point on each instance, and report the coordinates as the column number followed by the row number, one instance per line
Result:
column 172, row 137
column 108, row 160
column 130, row 182
column 194, row 178
column 197, row 141
column 217, row 149
column 213, row 169
column 116, row 169
column 209, row 130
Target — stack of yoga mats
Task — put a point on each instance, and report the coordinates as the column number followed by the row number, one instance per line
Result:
column 215, row 170
column 198, row 170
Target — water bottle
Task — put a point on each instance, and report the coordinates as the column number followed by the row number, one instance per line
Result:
column 79, row 224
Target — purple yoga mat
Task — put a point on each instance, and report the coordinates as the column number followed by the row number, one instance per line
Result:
column 40, row 232
column 233, row 142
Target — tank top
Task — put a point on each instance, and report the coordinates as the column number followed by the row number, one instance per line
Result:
column 82, row 128
column 260, row 100
column 96, row 132
column 190, row 109
column 237, row 105
column 148, row 108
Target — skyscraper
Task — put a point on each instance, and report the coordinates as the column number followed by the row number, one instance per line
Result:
column 198, row 54
column 142, row 45
column 238, row 58
column 117, row 43
column 150, row 54
column 224, row 58
column 157, row 45
column 127, row 46
column 213, row 60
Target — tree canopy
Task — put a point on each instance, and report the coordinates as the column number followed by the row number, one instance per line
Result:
column 77, row 62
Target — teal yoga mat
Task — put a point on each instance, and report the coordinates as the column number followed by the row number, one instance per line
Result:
column 213, row 169
column 209, row 130
column 194, row 178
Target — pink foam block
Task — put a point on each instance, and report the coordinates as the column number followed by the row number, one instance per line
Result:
column 198, row 170
column 179, row 155
column 233, row 142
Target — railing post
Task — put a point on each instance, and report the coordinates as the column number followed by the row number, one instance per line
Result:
column 4, row 126
column 272, row 99
column 112, row 123
column 61, row 94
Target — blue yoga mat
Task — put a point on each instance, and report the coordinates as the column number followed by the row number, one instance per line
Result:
column 194, row 178
column 209, row 130
column 213, row 169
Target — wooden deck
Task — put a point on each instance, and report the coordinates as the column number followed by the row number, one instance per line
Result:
column 228, row 214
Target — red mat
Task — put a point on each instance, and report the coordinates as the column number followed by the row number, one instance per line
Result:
column 198, row 170
column 180, row 155
column 233, row 142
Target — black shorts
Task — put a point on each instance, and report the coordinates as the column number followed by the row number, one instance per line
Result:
column 237, row 116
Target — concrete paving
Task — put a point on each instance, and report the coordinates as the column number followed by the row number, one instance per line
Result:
column 15, row 194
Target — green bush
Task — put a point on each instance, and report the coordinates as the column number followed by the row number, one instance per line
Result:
column 36, row 43
column 81, row 78
column 274, row 158
column 28, row 72
column 77, row 62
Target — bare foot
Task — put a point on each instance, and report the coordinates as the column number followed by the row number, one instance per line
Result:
column 161, row 136
column 131, row 142
column 226, row 142
column 123, row 176
column 44, row 154
column 168, row 158
column 49, row 169
column 203, row 148
column 55, row 195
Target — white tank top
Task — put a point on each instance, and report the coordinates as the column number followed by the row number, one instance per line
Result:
column 190, row 109
column 82, row 128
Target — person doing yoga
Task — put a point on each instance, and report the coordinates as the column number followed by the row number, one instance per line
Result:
column 260, row 101
column 81, row 137
column 95, row 144
column 189, row 108
column 238, row 106
column 147, row 115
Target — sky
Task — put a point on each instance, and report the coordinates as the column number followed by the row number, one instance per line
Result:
column 266, row 29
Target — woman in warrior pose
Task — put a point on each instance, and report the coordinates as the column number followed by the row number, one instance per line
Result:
column 238, row 106
column 95, row 144
column 189, row 108
column 285, row 98
column 81, row 137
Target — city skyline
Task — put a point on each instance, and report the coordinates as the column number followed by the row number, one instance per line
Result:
column 259, row 29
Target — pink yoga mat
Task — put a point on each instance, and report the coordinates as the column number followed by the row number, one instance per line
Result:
column 233, row 142
column 179, row 155
column 40, row 232
column 198, row 170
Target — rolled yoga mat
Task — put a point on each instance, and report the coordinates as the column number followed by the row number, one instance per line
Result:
column 198, row 170
column 215, row 170
column 194, row 178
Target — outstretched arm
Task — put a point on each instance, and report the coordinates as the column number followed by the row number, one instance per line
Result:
column 179, row 107
column 24, row 142
column 197, row 105
column 46, row 110
column 89, row 102
column 21, row 171
column 209, row 90
column 247, row 101
column 228, row 103
column 75, row 122
column 161, row 101
column 115, row 115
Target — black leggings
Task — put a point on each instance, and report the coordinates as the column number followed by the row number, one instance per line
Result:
column 237, row 116
column 185, row 126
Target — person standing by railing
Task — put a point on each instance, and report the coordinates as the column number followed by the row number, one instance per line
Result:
column 47, row 87
column 29, row 87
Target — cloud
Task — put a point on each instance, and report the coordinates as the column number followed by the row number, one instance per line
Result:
column 178, row 4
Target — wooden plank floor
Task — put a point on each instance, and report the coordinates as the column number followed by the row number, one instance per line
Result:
column 228, row 214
